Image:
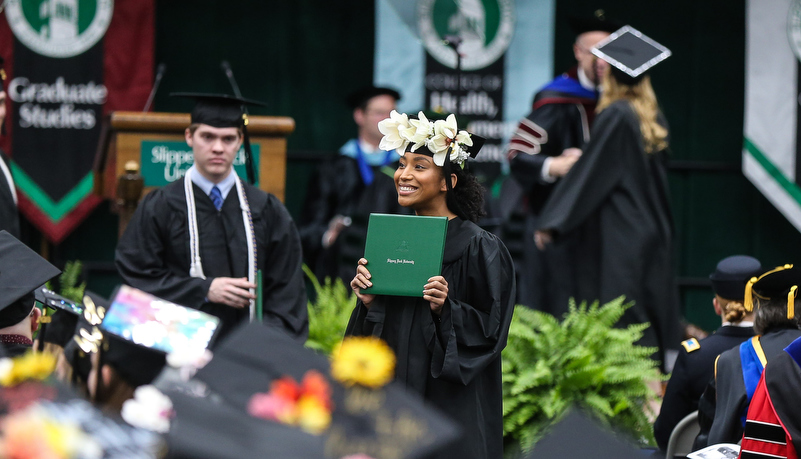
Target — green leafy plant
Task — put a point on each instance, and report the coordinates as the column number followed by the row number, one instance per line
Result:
column 329, row 313
column 549, row 365
column 68, row 282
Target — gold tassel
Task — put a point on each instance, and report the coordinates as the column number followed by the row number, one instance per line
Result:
column 748, row 301
column 791, row 302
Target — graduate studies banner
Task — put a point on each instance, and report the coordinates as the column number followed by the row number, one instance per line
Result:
column 69, row 62
column 771, row 145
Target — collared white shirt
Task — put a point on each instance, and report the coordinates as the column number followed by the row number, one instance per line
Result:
column 206, row 185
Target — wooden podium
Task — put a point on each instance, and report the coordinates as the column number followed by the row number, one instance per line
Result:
column 123, row 134
column 139, row 140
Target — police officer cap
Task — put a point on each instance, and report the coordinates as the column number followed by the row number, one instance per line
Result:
column 731, row 274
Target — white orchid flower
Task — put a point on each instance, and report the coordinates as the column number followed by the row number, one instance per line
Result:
column 419, row 131
column 149, row 409
column 446, row 128
column 391, row 128
column 463, row 138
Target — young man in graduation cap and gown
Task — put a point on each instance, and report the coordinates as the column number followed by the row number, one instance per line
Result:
column 543, row 149
column 21, row 271
column 347, row 188
column 200, row 240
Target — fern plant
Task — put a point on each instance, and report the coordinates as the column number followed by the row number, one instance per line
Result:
column 68, row 284
column 550, row 365
column 329, row 313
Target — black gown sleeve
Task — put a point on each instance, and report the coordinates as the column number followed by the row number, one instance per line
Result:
column 473, row 330
column 601, row 167
column 283, row 287
column 539, row 131
column 141, row 256
column 732, row 399
column 676, row 403
column 318, row 209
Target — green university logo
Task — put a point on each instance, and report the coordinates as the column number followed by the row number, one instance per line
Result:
column 486, row 28
column 59, row 28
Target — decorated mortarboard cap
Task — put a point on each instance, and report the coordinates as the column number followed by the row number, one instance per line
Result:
column 731, row 274
column 380, row 422
column 141, row 329
column 630, row 53
column 21, row 272
column 594, row 440
column 218, row 110
column 361, row 96
column 208, row 428
column 780, row 282
column 598, row 21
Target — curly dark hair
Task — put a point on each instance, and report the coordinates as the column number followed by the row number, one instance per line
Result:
column 467, row 198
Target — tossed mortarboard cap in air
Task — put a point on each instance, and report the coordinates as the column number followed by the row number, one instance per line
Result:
column 597, row 21
column 224, row 111
column 21, row 272
column 731, row 274
column 577, row 435
column 630, row 53
column 380, row 421
column 140, row 329
column 780, row 282
column 359, row 98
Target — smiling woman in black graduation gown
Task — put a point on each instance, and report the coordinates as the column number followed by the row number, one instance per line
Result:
column 615, row 200
column 449, row 342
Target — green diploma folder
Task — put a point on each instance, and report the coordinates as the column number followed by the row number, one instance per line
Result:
column 403, row 252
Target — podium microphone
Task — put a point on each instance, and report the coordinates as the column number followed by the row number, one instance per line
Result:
column 230, row 75
column 156, row 82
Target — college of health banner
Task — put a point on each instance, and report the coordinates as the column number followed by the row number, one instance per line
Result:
column 69, row 62
column 771, row 146
column 507, row 54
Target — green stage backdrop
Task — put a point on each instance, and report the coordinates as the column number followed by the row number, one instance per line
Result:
column 302, row 57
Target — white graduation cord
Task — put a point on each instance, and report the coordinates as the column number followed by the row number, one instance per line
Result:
column 196, row 268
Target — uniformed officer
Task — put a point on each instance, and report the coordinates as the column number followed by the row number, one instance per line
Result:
column 695, row 364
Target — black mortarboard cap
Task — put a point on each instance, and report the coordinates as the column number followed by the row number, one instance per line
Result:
column 242, row 354
column 630, row 53
column 206, row 427
column 61, row 326
column 780, row 282
column 222, row 111
column 218, row 110
column 21, row 272
column 577, row 435
column 731, row 274
column 360, row 97
column 595, row 22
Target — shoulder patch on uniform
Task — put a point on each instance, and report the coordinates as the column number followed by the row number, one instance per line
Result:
column 691, row 345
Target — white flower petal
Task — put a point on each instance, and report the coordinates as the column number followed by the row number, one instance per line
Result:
column 439, row 158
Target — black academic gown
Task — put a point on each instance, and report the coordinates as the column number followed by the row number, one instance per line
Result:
column 732, row 401
column 558, row 121
column 337, row 188
column 615, row 201
column 9, row 215
column 691, row 373
column 153, row 254
column 454, row 361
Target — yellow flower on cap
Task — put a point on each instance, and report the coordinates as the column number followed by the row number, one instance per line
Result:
column 366, row 361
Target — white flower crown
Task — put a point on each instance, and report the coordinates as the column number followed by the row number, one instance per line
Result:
column 438, row 136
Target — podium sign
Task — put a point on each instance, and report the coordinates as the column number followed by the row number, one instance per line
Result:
column 163, row 162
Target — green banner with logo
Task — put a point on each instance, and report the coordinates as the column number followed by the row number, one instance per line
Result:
column 164, row 162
